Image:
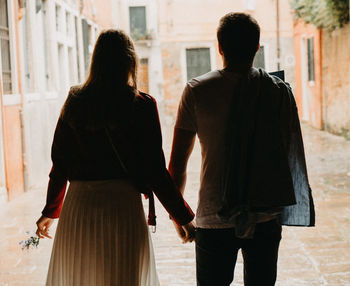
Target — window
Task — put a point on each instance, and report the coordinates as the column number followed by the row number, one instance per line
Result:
column 259, row 60
column 137, row 22
column 249, row 4
column 58, row 18
column 86, row 42
column 310, row 59
column 143, row 81
column 45, row 52
column 68, row 24
column 38, row 5
column 198, row 62
column 5, row 48
column 24, row 37
column 77, row 47
column 91, row 35
column 62, row 70
column 96, row 33
column 71, row 71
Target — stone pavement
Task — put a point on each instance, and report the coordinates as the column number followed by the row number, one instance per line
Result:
column 308, row 256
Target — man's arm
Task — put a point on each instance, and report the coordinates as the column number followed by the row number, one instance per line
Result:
column 183, row 143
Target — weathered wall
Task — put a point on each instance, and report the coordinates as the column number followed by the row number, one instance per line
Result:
column 40, row 121
column 186, row 24
column 11, row 115
column 100, row 12
column 13, row 151
column 3, row 193
column 308, row 94
column 336, row 80
column 42, row 104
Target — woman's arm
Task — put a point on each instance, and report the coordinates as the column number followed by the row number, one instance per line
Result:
column 58, row 175
column 57, row 183
column 159, row 178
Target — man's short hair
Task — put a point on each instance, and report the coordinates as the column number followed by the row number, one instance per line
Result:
column 238, row 35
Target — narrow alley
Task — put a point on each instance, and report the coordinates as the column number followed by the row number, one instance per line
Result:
column 308, row 256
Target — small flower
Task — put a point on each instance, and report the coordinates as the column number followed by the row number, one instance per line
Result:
column 32, row 241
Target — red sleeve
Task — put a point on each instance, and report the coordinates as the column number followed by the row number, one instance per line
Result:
column 159, row 178
column 58, row 176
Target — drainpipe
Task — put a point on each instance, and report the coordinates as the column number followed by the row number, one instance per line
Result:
column 324, row 99
column 2, row 167
column 278, row 48
column 2, row 154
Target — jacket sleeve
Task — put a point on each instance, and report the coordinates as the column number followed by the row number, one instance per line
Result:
column 58, row 175
column 158, row 176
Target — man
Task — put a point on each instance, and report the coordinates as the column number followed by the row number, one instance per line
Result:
column 253, row 174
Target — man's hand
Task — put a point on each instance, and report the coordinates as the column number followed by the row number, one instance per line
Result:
column 186, row 232
column 44, row 224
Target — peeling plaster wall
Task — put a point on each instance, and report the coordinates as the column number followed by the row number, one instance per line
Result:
column 336, row 80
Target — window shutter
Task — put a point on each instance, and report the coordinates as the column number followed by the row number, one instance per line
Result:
column 310, row 59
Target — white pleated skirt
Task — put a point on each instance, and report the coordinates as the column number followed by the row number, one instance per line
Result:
column 102, row 238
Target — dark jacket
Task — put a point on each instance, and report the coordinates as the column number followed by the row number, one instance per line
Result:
column 82, row 151
column 266, row 166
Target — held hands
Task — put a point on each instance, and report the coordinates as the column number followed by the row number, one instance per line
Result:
column 186, row 232
column 44, row 224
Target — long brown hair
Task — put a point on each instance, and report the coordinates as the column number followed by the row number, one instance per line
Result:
column 108, row 93
column 114, row 61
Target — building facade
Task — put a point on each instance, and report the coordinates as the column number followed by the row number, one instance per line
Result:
column 46, row 46
column 11, row 146
column 308, row 53
column 336, row 81
column 323, row 77
column 176, row 41
column 139, row 18
column 187, row 32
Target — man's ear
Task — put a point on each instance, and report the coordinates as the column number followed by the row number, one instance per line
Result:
column 220, row 49
column 258, row 48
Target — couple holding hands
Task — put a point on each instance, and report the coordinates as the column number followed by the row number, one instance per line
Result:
column 108, row 145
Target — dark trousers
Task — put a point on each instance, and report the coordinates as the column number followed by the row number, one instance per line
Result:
column 216, row 255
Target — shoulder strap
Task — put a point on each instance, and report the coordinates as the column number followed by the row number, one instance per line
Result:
column 115, row 150
column 151, row 209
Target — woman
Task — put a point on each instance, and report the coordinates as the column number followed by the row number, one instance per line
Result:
column 108, row 144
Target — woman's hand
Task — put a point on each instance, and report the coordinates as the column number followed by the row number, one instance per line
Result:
column 186, row 232
column 44, row 224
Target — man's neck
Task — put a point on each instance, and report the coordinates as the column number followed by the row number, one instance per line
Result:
column 237, row 67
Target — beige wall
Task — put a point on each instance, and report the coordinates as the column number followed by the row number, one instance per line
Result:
column 336, row 80
column 198, row 19
column 100, row 12
column 184, row 23
column 42, row 104
column 308, row 94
